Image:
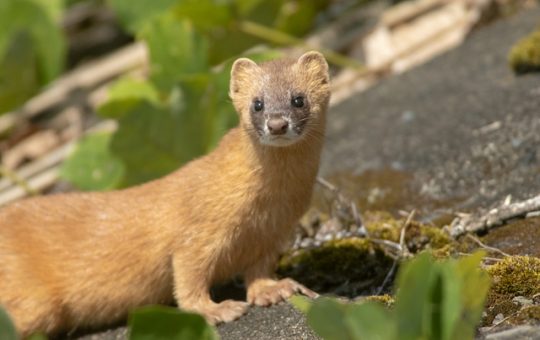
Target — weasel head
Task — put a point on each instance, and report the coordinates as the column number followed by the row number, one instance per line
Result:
column 281, row 101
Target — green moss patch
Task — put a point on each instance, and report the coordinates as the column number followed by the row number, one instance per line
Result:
column 418, row 236
column 516, row 276
column 525, row 54
column 511, row 277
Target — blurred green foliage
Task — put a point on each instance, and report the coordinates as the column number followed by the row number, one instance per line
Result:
column 145, row 323
column 31, row 48
column 167, row 323
column 182, row 110
column 435, row 300
column 7, row 329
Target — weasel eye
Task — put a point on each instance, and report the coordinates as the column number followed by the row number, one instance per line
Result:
column 297, row 101
column 258, row 105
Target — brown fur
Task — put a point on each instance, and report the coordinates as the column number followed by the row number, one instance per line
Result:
column 86, row 259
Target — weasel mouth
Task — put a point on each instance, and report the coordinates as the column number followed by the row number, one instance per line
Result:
column 278, row 140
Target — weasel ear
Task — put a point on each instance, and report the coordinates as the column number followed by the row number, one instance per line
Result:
column 241, row 70
column 315, row 65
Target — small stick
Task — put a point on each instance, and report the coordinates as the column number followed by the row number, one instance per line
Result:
column 388, row 276
column 403, row 251
column 358, row 220
column 484, row 246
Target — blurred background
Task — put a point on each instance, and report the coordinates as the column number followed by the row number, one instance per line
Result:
column 97, row 95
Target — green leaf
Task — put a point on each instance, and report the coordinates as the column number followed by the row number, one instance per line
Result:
column 301, row 303
column 204, row 14
column 53, row 8
column 450, row 302
column 7, row 329
column 92, row 166
column 414, row 283
column 29, row 39
column 166, row 323
column 125, row 94
column 177, row 51
column 37, row 336
column 246, row 6
column 370, row 320
column 19, row 74
column 327, row 318
column 136, row 14
column 149, row 142
column 475, row 284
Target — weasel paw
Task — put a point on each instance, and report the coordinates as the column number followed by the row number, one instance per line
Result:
column 268, row 292
column 225, row 311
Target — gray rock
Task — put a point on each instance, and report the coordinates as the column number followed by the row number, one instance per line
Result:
column 463, row 125
column 519, row 333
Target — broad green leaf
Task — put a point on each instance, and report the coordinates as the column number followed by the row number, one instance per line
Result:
column 451, row 305
column 370, row 320
column 327, row 318
column 413, row 302
column 166, row 323
column 149, row 142
column 301, row 303
column 125, row 94
column 19, row 74
column 92, row 166
column 136, row 14
column 204, row 14
column 176, row 51
column 475, row 284
column 7, row 329
column 41, row 47
column 53, row 8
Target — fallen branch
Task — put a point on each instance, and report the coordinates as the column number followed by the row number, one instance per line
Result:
column 498, row 216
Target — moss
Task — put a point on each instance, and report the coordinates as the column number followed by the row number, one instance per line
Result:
column 511, row 277
column 385, row 299
column 383, row 225
column 418, row 237
column 349, row 267
column 516, row 275
column 525, row 54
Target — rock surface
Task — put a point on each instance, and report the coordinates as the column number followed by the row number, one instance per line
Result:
column 463, row 126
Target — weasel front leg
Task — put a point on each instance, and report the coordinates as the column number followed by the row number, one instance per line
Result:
column 263, row 290
column 192, row 293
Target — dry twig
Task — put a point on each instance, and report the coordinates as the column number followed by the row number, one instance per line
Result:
column 474, row 223
column 403, row 251
column 486, row 247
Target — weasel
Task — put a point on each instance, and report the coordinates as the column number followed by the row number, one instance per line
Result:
column 86, row 259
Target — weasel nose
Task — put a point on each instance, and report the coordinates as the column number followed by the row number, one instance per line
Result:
column 277, row 126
